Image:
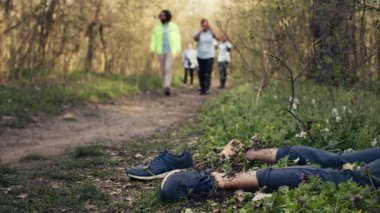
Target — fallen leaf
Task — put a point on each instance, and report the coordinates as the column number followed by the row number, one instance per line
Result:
column 8, row 118
column 138, row 155
column 348, row 166
column 69, row 116
column 55, row 185
column 188, row 211
column 260, row 196
column 240, row 195
column 22, row 196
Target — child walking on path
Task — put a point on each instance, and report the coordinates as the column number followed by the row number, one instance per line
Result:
column 189, row 59
column 224, row 59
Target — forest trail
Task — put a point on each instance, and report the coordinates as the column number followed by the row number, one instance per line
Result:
column 104, row 124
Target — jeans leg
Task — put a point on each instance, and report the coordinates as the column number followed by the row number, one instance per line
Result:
column 191, row 76
column 210, row 63
column 221, row 70
column 222, row 73
column 201, row 74
column 185, row 77
column 292, row 176
column 326, row 159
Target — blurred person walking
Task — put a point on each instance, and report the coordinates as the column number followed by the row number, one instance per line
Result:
column 166, row 43
column 224, row 59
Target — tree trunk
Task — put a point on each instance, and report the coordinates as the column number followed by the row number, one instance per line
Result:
column 333, row 30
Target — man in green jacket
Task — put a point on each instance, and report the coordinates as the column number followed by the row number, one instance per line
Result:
column 166, row 42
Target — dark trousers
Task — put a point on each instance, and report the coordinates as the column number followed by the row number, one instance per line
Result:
column 204, row 74
column 330, row 163
column 223, row 66
column 189, row 72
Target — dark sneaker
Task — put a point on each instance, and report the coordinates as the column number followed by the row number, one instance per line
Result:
column 160, row 166
column 179, row 184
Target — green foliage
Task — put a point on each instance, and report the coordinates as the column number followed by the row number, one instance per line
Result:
column 33, row 157
column 6, row 174
column 352, row 123
column 319, row 196
column 237, row 115
column 45, row 198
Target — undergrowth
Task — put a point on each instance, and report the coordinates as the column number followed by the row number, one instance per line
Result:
column 21, row 102
column 349, row 121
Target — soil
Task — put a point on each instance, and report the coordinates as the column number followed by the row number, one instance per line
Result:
column 114, row 123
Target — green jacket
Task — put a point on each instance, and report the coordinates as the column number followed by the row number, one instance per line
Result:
column 156, row 42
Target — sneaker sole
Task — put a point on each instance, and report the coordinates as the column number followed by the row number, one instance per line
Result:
column 160, row 176
column 170, row 173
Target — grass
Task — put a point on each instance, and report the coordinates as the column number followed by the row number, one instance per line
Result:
column 93, row 179
column 33, row 157
column 22, row 102
column 88, row 151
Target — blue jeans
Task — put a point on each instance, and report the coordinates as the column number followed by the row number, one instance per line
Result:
column 330, row 163
column 223, row 73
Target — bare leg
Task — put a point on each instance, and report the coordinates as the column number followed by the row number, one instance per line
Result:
column 244, row 180
column 265, row 155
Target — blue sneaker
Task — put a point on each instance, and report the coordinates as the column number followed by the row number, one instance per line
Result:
column 179, row 184
column 161, row 166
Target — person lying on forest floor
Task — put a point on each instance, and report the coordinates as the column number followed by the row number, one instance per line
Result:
column 180, row 180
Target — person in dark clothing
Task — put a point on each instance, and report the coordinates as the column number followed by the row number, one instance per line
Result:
column 335, row 167
column 205, row 53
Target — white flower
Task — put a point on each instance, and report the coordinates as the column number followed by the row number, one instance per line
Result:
column 326, row 130
column 374, row 142
column 275, row 97
column 344, row 108
column 295, row 100
column 302, row 134
column 313, row 102
column 338, row 118
column 335, row 112
column 294, row 106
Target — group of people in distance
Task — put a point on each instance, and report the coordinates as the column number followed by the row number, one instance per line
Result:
column 166, row 43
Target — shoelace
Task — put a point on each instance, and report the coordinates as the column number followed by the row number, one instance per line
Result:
column 156, row 159
column 201, row 180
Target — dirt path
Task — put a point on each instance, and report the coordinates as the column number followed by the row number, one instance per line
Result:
column 106, row 124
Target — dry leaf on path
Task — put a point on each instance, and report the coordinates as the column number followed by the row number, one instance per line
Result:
column 69, row 116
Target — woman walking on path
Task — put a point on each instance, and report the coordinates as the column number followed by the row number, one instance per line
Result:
column 224, row 58
column 205, row 54
column 166, row 42
column 189, row 59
